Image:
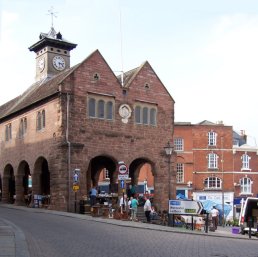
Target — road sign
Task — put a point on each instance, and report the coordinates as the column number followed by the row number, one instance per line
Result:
column 185, row 207
column 76, row 188
column 122, row 171
column 76, row 173
column 122, row 183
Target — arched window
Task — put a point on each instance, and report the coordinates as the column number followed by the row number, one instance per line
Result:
column 145, row 112
column 109, row 109
column 43, row 119
column 153, row 116
column 92, row 107
column 39, row 121
column 212, row 183
column 246, row 186
column 101, row 109
column 212, row 161
column 8, row 132
column 23, row 127
column 137, row 114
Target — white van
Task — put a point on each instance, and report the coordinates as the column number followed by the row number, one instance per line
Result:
column 249, row 210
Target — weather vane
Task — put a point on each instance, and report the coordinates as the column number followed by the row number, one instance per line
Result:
column 53, row 14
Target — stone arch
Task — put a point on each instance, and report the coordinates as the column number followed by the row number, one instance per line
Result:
column 136, row 166
column 41, row 177
column 22, row 185
column 142, row 174
column 96, row 166
column 8, row 187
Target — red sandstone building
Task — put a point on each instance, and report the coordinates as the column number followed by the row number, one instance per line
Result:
column 215, row 164
column 83, row 119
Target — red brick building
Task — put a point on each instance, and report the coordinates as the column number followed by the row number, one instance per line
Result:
column 83, row 119
column 214, row 163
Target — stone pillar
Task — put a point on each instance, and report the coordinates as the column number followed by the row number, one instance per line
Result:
column 5, row 188
column 19, row 190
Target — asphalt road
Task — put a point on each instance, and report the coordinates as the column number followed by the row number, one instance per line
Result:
column 50, row 235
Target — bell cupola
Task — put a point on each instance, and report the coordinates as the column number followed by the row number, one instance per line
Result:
column 52, row 54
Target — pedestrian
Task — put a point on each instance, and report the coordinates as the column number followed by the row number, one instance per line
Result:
column 93, row 196
column 215, row 217
column 147, row 209
column 130, row 207
column 135, row 204
column 123, row 203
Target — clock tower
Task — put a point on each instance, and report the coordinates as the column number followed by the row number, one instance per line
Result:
column 52, row 54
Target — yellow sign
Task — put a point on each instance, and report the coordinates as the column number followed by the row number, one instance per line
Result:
column 76, row 188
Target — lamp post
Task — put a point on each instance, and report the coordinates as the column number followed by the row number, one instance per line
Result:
column 169, row 150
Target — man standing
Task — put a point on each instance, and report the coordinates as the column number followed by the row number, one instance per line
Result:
column 147, row 208
column 135, row 204
column 93, row 196
column 215, row 217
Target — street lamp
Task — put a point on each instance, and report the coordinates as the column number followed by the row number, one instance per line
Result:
column 169, row 150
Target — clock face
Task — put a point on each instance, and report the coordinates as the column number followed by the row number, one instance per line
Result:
column 41, row 64
column 59, row 62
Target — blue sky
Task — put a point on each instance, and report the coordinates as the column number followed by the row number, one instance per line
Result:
column 205, row 52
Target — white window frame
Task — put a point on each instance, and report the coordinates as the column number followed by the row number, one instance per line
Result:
column 180, row 173
column 179, row 144
column 212, row 161
column 245, row 162
column 212, row 183
column 245, row 186
column 212, row 138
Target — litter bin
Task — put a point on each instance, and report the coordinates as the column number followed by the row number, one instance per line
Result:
column 82, row 208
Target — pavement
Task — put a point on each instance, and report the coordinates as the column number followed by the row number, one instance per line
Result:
column 13, row 242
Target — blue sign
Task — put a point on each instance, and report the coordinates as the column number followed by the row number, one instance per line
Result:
column 122, row 183
column 76, row 175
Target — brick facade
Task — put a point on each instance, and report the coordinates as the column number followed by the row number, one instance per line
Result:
column 73, row 140
column 229, row 170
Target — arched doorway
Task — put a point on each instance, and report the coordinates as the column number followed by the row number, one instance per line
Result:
column 22, row 182
column 102, row 174
column 41, row 177
column 141, row 172
column 8, row 188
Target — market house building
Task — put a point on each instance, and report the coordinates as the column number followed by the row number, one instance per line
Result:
column 83, row 118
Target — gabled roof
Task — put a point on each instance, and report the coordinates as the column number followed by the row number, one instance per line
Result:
column 35, row 93
column 39, row 91
column 206, row 122
column 129, row 76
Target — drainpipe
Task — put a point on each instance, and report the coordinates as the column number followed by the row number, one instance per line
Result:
column 69, row 150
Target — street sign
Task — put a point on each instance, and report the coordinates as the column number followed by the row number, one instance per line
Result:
column 185, row 207
column 122, row 183
column 123, row 172
column 76, row 188
column 76, row 173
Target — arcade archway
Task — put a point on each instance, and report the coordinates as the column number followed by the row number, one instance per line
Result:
column 41, row 177
column 102, row 174
column 8, row 190
column 22, row 184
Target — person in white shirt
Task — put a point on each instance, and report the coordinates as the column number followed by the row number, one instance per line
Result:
column 147, row 209
column 123, row 203
column 215, row 217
